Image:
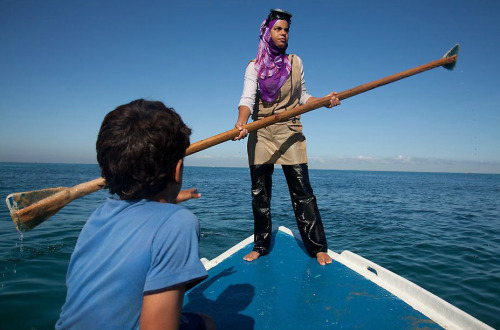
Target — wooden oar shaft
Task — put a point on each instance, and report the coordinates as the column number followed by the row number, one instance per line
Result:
column 395, row 77
column 33, row 213
column 315, row 104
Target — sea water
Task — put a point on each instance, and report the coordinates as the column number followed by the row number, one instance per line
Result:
column 438, row 230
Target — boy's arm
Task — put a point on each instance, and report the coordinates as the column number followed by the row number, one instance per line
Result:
column 187, row 194
column 162, row 310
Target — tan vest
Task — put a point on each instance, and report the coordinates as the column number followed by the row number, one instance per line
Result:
column 280, row 143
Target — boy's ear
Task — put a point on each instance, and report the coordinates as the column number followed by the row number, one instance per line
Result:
column 178, row 172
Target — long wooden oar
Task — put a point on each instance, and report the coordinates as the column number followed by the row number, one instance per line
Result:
column 29, row 209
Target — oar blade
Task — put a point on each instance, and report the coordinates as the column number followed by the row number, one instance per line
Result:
column 17, row 202
column 450, row 53
column 29, row 209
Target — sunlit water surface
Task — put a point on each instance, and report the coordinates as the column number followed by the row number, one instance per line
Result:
column 441, row 231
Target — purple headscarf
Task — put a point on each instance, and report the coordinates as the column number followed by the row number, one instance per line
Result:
column 272, row 65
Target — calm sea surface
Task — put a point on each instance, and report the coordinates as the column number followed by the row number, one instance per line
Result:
column 440, row 231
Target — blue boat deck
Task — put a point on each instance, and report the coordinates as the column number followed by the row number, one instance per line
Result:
column 288, row 289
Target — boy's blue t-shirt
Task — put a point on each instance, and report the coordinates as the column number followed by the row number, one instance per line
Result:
column 126, row 250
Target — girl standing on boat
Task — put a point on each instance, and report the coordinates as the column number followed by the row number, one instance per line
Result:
column 274, row 82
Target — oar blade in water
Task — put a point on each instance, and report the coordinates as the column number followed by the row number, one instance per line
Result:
column 21, row 207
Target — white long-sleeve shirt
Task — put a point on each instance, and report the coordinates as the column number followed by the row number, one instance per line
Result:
column 250, row 85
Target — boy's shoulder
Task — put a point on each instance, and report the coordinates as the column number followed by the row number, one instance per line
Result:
column 170, row 212
column 166, row 210
column 143, row 215
column 116, row 206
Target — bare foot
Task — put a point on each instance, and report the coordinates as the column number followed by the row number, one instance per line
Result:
column 252, row 256
column 323, row 258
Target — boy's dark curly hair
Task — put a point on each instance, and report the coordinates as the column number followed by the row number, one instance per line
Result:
column 138, row 147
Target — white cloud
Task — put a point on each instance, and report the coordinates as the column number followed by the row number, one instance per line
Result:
column 362, row 163
column 315, row 160
column 403, row 159
column 202, row 157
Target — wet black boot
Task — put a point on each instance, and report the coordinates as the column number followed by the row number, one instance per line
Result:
column 261, row 176
column 305, row 208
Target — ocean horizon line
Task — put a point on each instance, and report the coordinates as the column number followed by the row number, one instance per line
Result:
column 276, row 166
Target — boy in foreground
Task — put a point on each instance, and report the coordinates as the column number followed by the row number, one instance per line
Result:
column 138, row 252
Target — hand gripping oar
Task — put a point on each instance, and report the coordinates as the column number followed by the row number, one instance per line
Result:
column 29, row 209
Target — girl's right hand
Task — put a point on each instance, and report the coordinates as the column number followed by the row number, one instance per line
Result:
column 243, row 132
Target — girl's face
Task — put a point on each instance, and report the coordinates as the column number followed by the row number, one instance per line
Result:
column 279, row 34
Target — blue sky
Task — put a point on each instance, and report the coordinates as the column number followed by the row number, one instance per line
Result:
column 65, row 64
